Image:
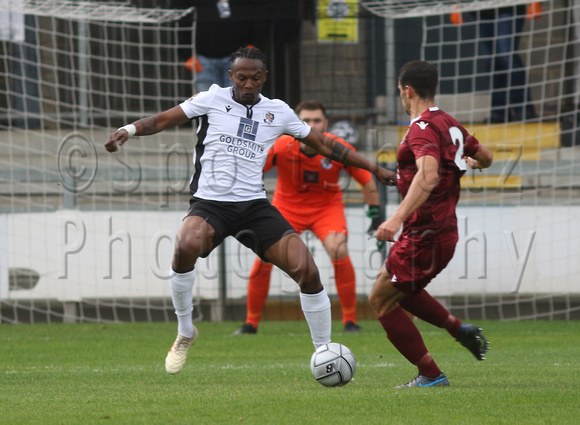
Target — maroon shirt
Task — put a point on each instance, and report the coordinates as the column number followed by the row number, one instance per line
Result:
column 439, row 135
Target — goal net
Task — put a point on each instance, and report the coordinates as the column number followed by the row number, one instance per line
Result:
column 518, row 249
column 76, row 222
column 88, row 236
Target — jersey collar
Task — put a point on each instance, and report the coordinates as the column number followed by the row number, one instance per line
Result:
column 431, row 109
column 249, row 110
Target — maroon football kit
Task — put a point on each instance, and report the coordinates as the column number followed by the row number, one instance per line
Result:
column 429, row 235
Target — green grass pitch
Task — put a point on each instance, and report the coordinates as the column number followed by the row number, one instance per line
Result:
column 114, row 374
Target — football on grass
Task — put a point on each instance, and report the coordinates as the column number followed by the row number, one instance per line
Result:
column 333, row 365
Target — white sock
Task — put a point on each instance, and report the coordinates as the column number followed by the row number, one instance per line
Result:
column 316, row 308
column 181, row 285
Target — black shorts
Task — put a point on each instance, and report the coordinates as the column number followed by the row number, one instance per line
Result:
column 257, row 224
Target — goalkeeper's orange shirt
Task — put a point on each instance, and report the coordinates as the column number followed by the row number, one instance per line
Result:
column 308, row 183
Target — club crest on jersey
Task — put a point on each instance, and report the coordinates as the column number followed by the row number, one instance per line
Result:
column 326, row 163
column 269, row 118
column 422, row 125
column 248, row 129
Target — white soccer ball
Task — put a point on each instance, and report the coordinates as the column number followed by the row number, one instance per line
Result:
column 333, row 365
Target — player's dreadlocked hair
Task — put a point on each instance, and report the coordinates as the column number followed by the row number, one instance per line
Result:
column 249, row 53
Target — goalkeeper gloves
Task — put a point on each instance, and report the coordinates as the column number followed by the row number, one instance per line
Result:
column 376, row 215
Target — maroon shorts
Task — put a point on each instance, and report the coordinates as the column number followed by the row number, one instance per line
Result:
column 414, row 262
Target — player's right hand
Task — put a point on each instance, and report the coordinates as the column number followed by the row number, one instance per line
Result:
column 116, row 139
column 473, row 163
column 388, row 229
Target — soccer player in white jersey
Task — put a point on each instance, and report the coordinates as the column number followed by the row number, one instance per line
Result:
column 237, row 127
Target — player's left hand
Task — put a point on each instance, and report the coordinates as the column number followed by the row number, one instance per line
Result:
column 385, row 176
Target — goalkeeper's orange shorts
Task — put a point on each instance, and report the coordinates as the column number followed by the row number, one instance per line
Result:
column 321, row 221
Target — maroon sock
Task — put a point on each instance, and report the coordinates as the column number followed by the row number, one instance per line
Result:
column 406, row 338
column 427, row 308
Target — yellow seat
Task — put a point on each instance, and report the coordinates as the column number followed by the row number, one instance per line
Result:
column 508, row 141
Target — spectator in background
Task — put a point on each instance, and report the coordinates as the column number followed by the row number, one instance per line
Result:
column 499, row 39
column 211, row 69
column 220, row 29
column 274, row 27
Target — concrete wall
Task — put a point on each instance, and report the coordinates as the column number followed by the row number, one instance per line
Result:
column 86, row 255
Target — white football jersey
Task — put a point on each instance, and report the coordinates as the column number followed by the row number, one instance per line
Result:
column 233, row 142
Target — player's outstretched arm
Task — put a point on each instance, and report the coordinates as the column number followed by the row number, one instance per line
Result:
column 146, row 126
column 422, row 185
column 338, row 152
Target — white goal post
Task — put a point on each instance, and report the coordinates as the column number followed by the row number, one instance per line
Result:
column 398, row 9
column 94, row 11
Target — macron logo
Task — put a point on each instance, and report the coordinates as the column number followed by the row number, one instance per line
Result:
column 423, row 125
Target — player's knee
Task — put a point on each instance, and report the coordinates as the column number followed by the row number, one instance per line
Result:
column 383, row 297
column 187, row 250
column 336, row 246
column 310, row 273
column 381, row 304
column 374, row 301
column 182, row 262
column 308, row 277
column 182, row 248
column 339, row 253
column 196, row 243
